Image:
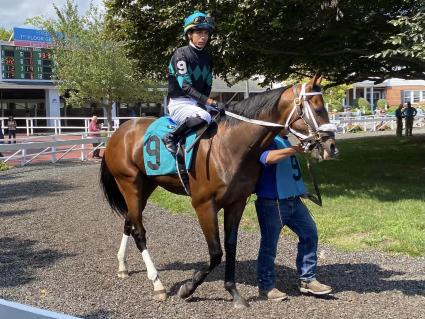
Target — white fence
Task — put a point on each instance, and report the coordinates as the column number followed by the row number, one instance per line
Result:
column 58, row 125
column 55, row 146
column 371, row 123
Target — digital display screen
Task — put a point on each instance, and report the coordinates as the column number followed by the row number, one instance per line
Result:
column 25, row 63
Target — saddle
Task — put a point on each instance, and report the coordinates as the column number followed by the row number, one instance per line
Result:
column 159, row 161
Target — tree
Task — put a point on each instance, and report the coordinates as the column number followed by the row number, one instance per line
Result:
column 334, row 95
column 5, row 34
column 88, row 64
column 346, row 40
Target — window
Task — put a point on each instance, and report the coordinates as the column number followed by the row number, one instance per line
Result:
column 416, row 96
column 406, row 97
column 413, row 96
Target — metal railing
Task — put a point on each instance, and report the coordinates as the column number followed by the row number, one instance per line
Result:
column 58, row 146
column 371, row 123
column 56, row 125
column 26, row 150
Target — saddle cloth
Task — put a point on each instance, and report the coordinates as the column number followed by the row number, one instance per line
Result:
column 157, row 159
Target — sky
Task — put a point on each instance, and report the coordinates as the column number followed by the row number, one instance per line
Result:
column 13, row 13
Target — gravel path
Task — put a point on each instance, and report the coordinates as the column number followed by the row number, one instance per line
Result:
column 58, row 245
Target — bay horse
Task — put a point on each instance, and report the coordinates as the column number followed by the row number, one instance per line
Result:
column 223, row 174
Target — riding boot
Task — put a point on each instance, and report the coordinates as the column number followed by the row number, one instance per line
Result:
column 171, row 139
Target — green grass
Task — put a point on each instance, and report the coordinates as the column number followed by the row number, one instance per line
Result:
column 4, row 166
column 373, row 196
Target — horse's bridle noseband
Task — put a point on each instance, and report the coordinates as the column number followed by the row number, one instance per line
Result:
column 303, row 110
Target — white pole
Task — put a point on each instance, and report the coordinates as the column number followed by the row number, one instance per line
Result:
column 246, row 89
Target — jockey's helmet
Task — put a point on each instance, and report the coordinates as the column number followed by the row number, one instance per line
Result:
column 198, row 20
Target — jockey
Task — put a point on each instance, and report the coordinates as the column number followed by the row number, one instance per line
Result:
column 190, row 80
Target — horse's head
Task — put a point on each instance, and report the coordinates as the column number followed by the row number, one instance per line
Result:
column 308, row 120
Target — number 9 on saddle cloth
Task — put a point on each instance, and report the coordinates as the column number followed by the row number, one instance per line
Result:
column 158, row 160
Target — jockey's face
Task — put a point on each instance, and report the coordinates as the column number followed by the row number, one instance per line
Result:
column 199, row 37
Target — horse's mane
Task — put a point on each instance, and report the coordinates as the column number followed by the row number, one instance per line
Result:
column 252, row 106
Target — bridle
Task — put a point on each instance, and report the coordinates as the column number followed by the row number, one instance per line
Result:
column 303, row 110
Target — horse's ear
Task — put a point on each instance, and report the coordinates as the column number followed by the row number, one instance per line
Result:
column 314, row 81
column 317, row 79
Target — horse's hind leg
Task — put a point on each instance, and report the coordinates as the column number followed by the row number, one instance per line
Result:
column 136, row 192
column 122, row 252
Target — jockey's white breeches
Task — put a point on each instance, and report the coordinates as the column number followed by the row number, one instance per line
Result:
column 182, row 108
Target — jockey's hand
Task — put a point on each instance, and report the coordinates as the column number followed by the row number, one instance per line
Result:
column 221, row 107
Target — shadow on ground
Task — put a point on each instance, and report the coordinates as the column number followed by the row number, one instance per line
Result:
column 97, row 314
column 360, row 278
column 13, row 213
column 19, row 191
column 20, row 259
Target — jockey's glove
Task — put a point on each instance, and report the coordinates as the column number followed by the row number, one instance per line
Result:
column 221, row 107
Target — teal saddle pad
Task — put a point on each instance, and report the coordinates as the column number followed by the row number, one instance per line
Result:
column 157, row 159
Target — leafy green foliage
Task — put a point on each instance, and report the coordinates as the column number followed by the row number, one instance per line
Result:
column 5, row 34
column 334, row 95
column 345, row 40
column 381, row 103
column 4, row 166
column 361, row 103
column 88, row 64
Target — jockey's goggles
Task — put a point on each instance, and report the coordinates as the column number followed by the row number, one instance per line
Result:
column 202, row 19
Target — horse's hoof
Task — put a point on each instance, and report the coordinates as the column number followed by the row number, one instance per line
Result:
column 122, row 274
column 241, row 304
column 160, row 295
column 185, row 292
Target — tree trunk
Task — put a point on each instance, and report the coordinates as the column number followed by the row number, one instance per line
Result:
column 108, row 110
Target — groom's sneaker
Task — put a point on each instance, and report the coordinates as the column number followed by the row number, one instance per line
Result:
column 273, row 294
column 314, row 287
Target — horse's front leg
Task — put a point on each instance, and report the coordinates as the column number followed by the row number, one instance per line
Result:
column 207, row 216
column 232, row 218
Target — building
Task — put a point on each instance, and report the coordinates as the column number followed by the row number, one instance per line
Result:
column 26, row 88
column 394, row 91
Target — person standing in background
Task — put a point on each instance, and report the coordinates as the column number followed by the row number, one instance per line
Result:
column 11, row 128
column 94, row 131
column 1, row 137
column 409, row 113
column 399, row 116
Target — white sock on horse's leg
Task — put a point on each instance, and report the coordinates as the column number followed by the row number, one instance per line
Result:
column 122, row 257
column 150, row 267
column 153, row 275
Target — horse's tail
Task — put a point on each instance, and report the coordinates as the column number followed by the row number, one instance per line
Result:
column 111, row 190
